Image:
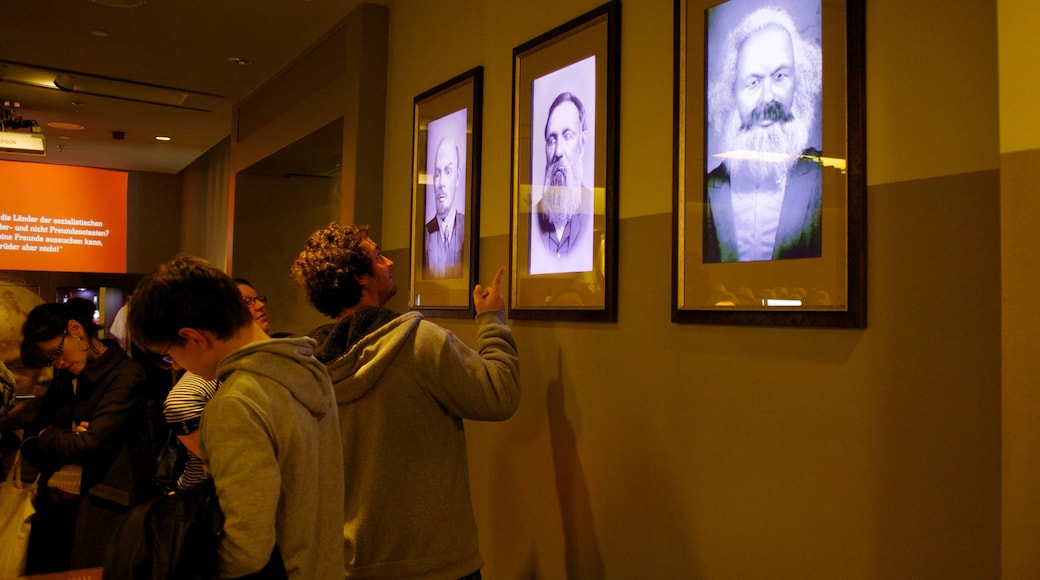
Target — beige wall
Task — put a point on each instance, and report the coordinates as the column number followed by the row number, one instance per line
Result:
column 1020, row 275
column 646, row 449
column 273, row 217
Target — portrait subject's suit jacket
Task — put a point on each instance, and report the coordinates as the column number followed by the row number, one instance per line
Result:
column 574, row 233
column 444, row 259
column 799, row 234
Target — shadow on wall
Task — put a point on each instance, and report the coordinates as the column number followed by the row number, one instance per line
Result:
column 582, row 555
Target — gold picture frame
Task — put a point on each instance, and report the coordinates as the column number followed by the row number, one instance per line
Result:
column 742, row 254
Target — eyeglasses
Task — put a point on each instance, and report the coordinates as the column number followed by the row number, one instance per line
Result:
column 57, row 352
column 250, row 300
column 165, row 360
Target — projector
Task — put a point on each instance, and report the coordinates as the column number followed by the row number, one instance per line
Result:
column 25, row 143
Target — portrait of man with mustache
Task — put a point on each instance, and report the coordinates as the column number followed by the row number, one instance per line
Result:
column 764, row 200
column 564, row 213
column 445, row 232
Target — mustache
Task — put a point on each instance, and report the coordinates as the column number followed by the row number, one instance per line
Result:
column 558, row 175
column 771, row 111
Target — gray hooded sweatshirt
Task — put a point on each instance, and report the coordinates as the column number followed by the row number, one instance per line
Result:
column 404, row 387
column 270, row 439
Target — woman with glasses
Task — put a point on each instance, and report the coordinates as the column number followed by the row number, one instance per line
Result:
column 90, row 439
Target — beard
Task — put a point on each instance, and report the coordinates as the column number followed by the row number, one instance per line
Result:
column 787, row 137
column 561, row 197
column 560, row 203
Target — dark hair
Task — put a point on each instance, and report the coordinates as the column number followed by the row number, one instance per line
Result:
column 329, row 265
column 187, row 292
column 244, row 282
column 48, row 321
column 560, row 99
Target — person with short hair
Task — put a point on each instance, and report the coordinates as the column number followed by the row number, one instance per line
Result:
column 269, row 437
column 404, row 387
column 183, row 406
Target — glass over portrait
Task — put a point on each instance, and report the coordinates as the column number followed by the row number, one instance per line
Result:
column 446, row 171
column 769, row 201
column 563, row 240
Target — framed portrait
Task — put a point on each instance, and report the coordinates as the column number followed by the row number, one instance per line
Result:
column 445, row 195
column 770, row 163
column 563, row 226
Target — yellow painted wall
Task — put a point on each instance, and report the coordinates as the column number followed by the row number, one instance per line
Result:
column 1018, row 22
column 646, row 449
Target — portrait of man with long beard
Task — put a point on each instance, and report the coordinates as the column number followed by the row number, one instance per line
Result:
column 764, row 181
column 562, row 214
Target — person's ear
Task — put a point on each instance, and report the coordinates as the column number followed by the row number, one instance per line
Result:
column 194, row 336
column 76, row 329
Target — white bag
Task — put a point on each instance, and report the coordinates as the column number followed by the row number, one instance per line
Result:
column 17, row 506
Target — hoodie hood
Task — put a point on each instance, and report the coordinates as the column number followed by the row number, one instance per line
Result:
column 289, row 362
column 357, row 370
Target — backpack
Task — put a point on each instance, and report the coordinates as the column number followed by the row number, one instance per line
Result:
column 169, row 463
column 171, row 536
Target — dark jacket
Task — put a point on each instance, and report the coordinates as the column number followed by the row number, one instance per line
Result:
column 799, row 233
column 115, row 451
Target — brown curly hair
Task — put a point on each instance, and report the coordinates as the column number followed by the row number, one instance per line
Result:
column 328, row 267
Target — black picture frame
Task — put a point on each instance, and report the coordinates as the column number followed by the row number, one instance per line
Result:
column 446, row 119
column 567, row 271
column 823, row 282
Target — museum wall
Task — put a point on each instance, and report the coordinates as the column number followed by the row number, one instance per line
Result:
column 644, row 448
column 1018, row 21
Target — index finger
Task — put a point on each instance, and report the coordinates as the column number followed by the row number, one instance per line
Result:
column 498, row 277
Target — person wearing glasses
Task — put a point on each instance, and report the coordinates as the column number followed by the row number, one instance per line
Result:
column 186, row 400
column 257, row 303
column 90, row 439
column 269, row 436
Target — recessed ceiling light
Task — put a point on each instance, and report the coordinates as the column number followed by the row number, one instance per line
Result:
column 121, row 3
column 240, row 61
column 66, row 126
column 162, row 138
column 99, row 33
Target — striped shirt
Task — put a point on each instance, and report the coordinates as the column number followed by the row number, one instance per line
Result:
column 183, row 412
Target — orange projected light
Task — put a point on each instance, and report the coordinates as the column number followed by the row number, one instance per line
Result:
column 59, row 218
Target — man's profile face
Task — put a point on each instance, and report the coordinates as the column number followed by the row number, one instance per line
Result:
column 380, row 281
column 445, row 176
column 564, row 146
column 765, row 75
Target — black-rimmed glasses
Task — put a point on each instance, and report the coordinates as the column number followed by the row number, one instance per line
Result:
column 165, row 360
column 58, row 351
column 250, row 300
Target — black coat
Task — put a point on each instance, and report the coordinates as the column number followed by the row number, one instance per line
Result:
column 115, row 451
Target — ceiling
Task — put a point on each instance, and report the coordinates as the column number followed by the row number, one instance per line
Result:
column 122, row 57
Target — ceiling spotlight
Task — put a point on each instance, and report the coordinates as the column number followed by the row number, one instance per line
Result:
column 240, row 61
column 162, row 138
column 121, row 3
column 66, row 126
